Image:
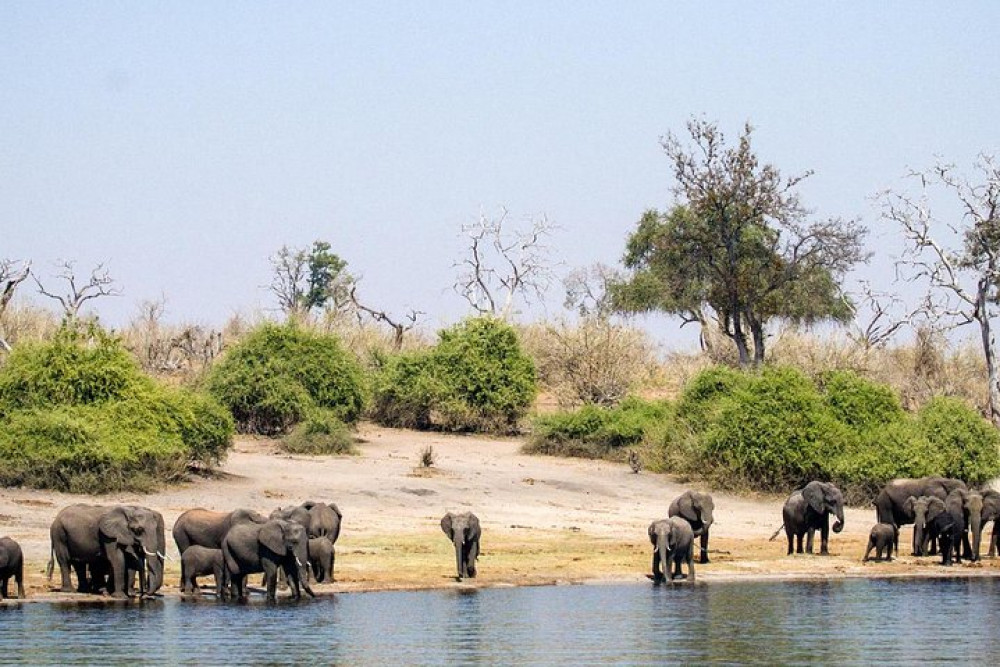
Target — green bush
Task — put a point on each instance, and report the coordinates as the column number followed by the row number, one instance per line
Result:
column 77, row 415
column 968, row 444
column 702, row 397
column 860, row 403
column 897, row 449
column 278, row 373
column 475, row 379
column 321, row 432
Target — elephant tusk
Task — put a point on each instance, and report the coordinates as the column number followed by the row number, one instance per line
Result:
column 164, row 556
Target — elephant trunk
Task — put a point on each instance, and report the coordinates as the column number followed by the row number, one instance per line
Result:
column 918, row 537
column 664, row 555
column 976, row 528
column 838, row 512
column 459, row 548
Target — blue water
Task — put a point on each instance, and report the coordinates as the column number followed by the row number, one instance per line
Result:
column 832, row 622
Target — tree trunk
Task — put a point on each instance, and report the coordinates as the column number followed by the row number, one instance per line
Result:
column 989, row 351
column 757, row 331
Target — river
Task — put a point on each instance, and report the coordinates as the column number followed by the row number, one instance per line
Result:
column 859, row 621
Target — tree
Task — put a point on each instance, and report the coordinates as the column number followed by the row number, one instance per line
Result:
column 309, row 278
column 398, row 325
column 503, row 265
column 12, row 274
column 963, row 283
column 99, row 284
column 738, row 248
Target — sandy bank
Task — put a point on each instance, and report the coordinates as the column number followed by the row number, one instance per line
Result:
column 545, row 520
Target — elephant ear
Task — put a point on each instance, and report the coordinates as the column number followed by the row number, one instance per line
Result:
column 813, row 494
column 446, row 525
column 474, row 530
column 336, row 510
column 686, row 507
column 908, row 504
column 309, row 504
column 114, row 525
column 652, row 533
column 272, row 536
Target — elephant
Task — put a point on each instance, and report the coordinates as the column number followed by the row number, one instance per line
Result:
column 808, row 509
column 296, row 514
column 115, row 540
column 673, row 542
column 198, row 561
column 696, row 508
column 917, row 507
column 11, row 565
column 972, row 515
column 324, row 520
column 252, row 547
column 321, row 558
column 464, row 532
column 991, row 512
column 206, row 528
column 944, row 520
column 881, row 539
column 891, row 500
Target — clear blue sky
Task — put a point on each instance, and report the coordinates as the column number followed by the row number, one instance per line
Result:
column 183, row 143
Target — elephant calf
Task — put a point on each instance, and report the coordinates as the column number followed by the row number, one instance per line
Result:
column 882, row 538
column 11, row 565
column 198, row 561
column 321, row 559
column 673, row 542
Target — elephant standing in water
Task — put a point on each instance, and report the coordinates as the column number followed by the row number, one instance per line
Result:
column 890, row 503
column 464, row 532
column 673, row 542
column 696, row 508
column 807, row 510
column 252, row 547
column 114, row 540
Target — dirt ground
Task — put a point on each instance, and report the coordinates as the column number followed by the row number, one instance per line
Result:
column 545, row 520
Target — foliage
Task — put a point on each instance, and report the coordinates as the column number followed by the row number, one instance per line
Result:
column 476, row 378
column 969, row 444
column 77, row 415
column 860, row 403
column 597, row 432
column 321, row 432
column 308, row 279
column 278, row 373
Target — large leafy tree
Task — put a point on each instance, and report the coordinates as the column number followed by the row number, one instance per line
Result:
column 738, row 248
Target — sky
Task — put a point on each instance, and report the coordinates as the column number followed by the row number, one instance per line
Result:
column 183, row 143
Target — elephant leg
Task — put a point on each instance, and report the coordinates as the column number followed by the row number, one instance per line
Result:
column 809, row 539
column 82, row 585
column 271, row 580
column 657, row 574
column 824, row 536
column 791, row 539
column 19, row 579
column 470, row 561
column 868, row 551
column 704, row 546
column 3, row 588
column 798, row 542
column 992, row 553
column 118, row 574
column 61, row 556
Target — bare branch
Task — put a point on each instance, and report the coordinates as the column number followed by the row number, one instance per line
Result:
column 98, row 285
column 399, row 327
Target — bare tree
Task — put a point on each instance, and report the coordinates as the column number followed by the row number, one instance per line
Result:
column 99, row 284
column 588, row 289
column 883, row 320
column 308, row 278
column 12, row 274
column 399, row 326
column 503, row 265
column 962, row 282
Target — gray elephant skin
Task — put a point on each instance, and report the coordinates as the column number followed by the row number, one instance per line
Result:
column 991, row 512
column 673, row 543
column 198, row 561
column 207, row 528
column 115, row 540
column 881, row 539
column 251, row 547
column 808, row 510
column 890, row 503
column 944, row 521
column 696, row 508
column 464, row 532
column 321, row 559
column 11, row 565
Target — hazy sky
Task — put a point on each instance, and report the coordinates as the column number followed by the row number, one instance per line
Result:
column 184, row 143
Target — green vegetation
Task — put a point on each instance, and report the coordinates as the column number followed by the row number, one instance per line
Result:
column 276, row 375
column 321, row 432
column 776, row 429
column 475, row 379
column 77, row 415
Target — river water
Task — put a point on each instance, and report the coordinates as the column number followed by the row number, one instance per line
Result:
column 889, row 621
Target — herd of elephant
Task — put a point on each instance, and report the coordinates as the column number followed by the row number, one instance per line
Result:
column 121, row 550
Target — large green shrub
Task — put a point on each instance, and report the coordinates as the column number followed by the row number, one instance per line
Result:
column 703, row 395
column 860, row 403
column 475, row 379
column 77, row 414
column 597, row 432
column 321, row 432
column 968, row 444
column 278, row 373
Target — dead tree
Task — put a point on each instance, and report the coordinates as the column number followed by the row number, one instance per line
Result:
column 399, row 326
column 883, row 319
column 12, row 274
column 963, row 281
column 100, row 284
column 504, row 265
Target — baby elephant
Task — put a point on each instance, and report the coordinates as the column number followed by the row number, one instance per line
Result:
column 198, row 561
column 673, row 542
column 881, row 539
column 463, row 530
column 11, row 565
column 321, row 559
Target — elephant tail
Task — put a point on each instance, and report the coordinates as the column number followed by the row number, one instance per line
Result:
column 773, row 537
column 51, row 565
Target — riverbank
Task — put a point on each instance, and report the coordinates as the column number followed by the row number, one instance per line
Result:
column 545, row 520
